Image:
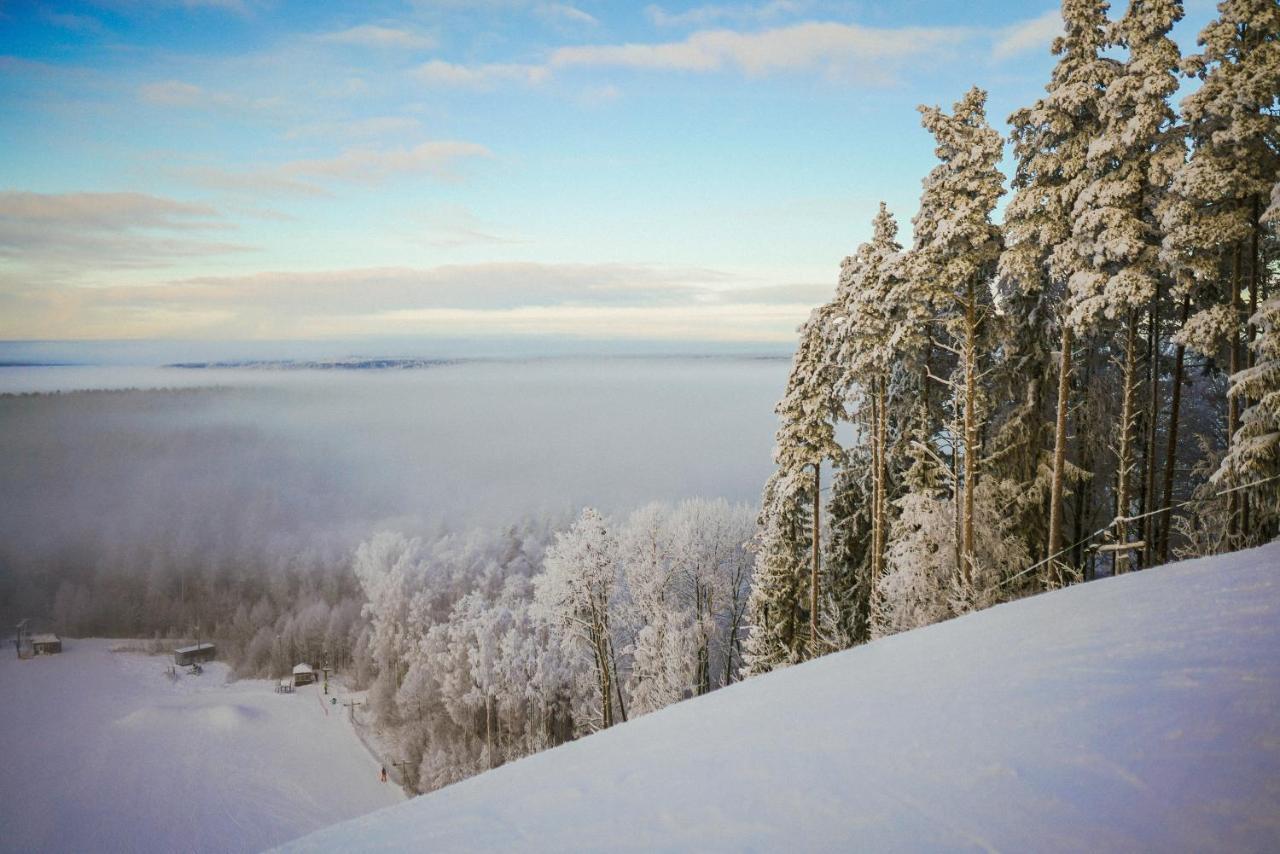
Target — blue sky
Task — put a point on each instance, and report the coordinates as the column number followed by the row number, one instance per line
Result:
column 265, row 169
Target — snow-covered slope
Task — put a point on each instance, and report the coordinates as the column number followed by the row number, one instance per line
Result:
column 100, row 751
column 1128, row 714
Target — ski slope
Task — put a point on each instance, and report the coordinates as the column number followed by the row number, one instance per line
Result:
column 101, row 751
column 1140, row 713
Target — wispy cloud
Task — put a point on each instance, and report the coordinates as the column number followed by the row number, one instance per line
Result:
column 840, row 51
column 440, row 158
column 81, row 231
column 249, row 182
column 479, row 287
column 564, row 13
column 374, row 36
column 72, row 21
column 110, row 211
column 447, row 75
column 370, row 127
column 181, row 94
column 1032, row 35
column 741, row 13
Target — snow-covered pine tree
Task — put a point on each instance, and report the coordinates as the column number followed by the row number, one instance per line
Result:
column 1115, row 234
column 955, row 254
column 805, row 439
column 1213, row 223
column 1050, row 143
column 1254, row 457
column 871, row 337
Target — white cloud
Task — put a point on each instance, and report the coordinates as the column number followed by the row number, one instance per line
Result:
column 71, row 233
column 72, row 21
column 370, row 166
column 366, row 128
column 178, row 93
column 372, row 36
column 364, row 165
column 567, row 14
column 702, row 16
column 447, row 75
column 109, row 211
column 173, row 93
column 843, row 51
column 1033, row 35
column 251, row 182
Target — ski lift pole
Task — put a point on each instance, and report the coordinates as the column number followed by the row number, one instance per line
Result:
column 351, row 707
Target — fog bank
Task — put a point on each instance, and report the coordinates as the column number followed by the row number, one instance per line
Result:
column 292, row 468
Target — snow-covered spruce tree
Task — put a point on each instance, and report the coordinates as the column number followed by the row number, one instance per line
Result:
column 871, row 334
column 1115, row 233
column 955, row 254
column 1050, row 143
column 1214, row 227
column 574, row 595
column 783, row 619
column 1254, row 457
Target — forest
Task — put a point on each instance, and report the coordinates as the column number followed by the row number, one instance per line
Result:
column 1088, row 387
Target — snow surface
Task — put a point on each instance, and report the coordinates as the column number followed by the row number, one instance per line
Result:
column 1139, row 713
column 101, row 751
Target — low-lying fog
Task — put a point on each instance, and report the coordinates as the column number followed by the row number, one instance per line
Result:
column 274, row 465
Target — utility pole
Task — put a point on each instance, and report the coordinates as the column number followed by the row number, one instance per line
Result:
column 351, row 707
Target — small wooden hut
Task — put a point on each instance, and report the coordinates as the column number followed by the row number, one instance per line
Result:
column 46, row 644
column 303, row 675
column 185, row 656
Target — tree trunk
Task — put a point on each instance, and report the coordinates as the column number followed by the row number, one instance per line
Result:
column 1084, row 453
column 1251, row 332
column 1171, row 455
column 488, row 734
column 970, row 431
column 602, row 672
column 1125, row 452
column 813, row 577
column 1233, row 402
column 878, row 525
column 1059, row 455
column 1149, row 453
column 617, row 683
column 874, row 433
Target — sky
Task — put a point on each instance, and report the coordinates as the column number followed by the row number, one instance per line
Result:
column 277, row 170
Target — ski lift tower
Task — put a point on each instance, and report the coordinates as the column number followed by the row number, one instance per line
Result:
column 22, row 639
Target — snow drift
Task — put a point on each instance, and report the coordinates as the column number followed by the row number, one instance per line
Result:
column 1134, row 713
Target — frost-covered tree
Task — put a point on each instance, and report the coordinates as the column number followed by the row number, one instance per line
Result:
column 805, row 439
column 575, row 595
column 871, row 334
column 388, row 567
column 1254, row 458
column 1051, row 140
column 1214, row 225
column 955, row 254
column 1115, row 233
column 870, row 341
column 920, row 585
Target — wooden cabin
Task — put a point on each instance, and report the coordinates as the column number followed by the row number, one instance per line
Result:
column 185, row 656
column 303, row 675
column 46, row 644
